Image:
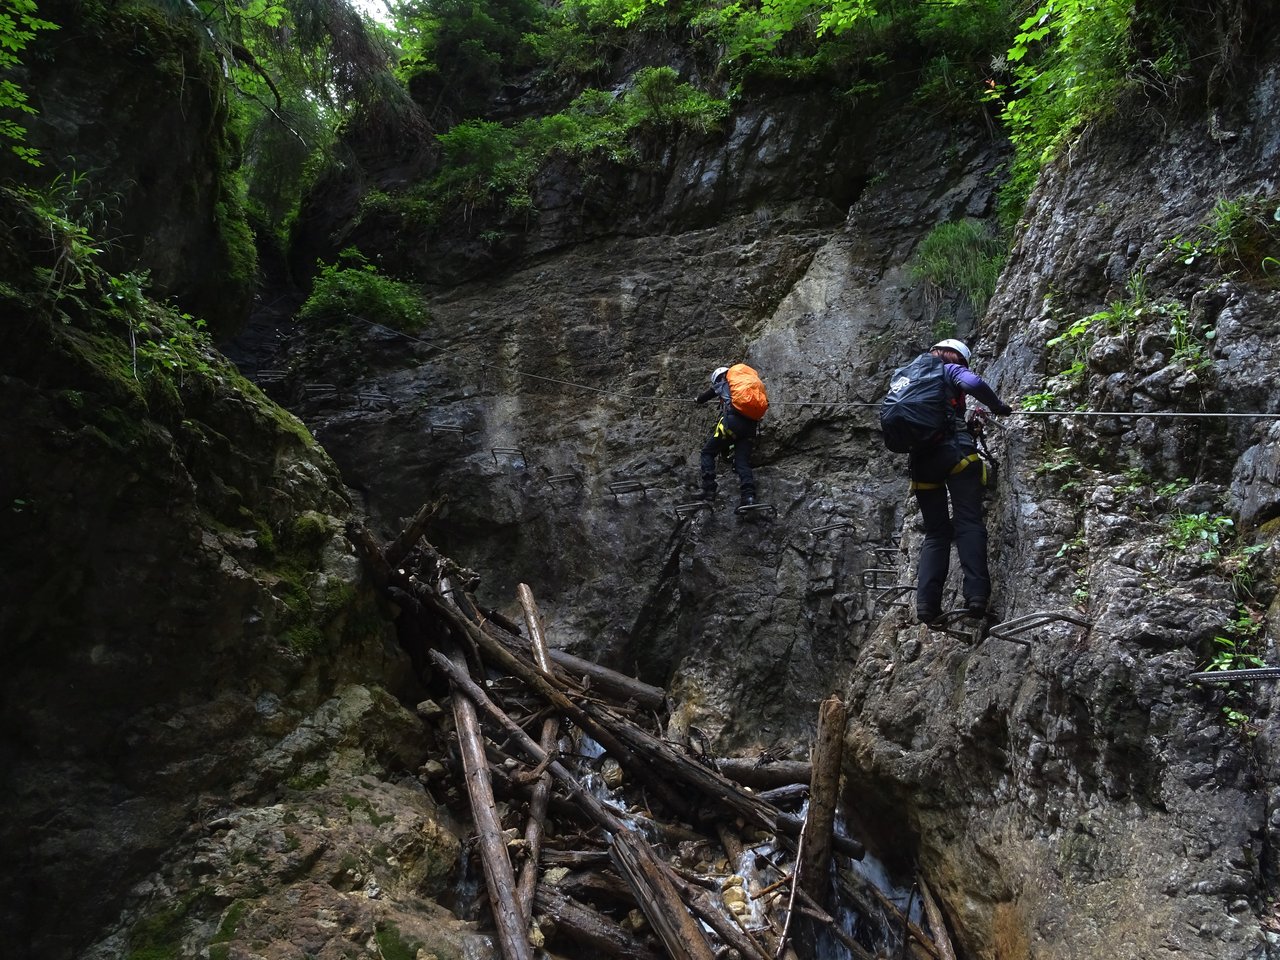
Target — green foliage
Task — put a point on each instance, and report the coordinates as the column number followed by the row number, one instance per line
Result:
column 1039, row 401
column 486, row 161
column 64, row 220
column 577, row 38
column 961, row 256
column 1069, row 61
column 1062, row 465
column 18, row 26
column 1205, row 531
column 304, row 639
column 1190, row 346
column 392, row 944
column 1122, row 317
column 962, row 39
column 1241, row 234
column 1235, row 651
column 175, row 345
column 359, row 290
column 457, row 53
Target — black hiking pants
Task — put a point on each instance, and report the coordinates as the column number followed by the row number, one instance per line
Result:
column 951, row 471
column 731, row 430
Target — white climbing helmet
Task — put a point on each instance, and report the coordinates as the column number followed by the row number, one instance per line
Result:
column 717, row 373
column 955, row 345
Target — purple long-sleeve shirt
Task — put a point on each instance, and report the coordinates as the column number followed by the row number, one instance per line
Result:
column 970, row 382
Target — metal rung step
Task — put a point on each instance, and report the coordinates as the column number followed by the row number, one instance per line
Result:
column 891, row 551
column 557, row 478
column 1225, row 676
column 963, row 625
column 757, row 509
column 446, row 429
column 628, row 486
column 271, row 376
column 514, row 452
column 871, row 577
column 373, row 398
column 893, row 596
column 838, row 525
column 1009, row 629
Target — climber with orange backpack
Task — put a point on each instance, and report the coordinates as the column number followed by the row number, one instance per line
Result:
column 743, row 404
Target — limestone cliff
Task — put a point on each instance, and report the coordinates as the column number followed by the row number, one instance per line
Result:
column 207, row 744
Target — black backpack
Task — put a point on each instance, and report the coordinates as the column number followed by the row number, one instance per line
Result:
column 918, row 412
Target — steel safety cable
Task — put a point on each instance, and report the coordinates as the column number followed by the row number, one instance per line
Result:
column 843, row 404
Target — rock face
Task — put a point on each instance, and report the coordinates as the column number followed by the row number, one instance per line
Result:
column 1070, row 795
column 207, row 747
column 133, row 128
column 196, row 671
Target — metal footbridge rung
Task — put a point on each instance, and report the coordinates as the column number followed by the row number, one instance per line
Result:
column 757, row 509
column 838, row 525
column 446, row 429
column 1010, row 629
column 558, row 478
column 872, row 577
column 1225, row 676
column 619, row 487
column 515, row 453
column 895, row 595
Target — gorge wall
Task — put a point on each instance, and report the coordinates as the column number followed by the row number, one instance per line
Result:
column 217, row 781
column 1070, row 797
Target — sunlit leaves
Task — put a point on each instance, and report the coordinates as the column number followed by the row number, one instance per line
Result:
column 18, row 26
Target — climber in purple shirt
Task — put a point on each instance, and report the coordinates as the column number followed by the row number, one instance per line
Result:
column 953, row 466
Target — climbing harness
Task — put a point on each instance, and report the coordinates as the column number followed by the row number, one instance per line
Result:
column 958, row 468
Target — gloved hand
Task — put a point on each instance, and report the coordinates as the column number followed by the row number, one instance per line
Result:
column 700, row 399
column 1004, row 409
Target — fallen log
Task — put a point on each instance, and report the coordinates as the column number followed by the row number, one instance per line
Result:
column 824, row 793
column 937, row 925
column 659, row 899
column 616, row 685
column 792, row 793
column 574, row 859
column 499, row 878
column 598, row 885
column 760, row 774
column 542, row 788
column 691, row 773
column 919, row 939
column 589, row 927
column 498, row 654
column 730, row 930
column 399, row 548
column 630, row 853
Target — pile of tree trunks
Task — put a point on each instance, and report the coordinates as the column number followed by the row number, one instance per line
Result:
column 631, row 845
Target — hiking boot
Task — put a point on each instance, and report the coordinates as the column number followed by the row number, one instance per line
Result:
column 748, row 500
column 976, row 608
column 928, row 617
column 706, row 496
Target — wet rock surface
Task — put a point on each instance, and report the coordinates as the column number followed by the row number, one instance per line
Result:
column 1070, row 795
column 257, row 794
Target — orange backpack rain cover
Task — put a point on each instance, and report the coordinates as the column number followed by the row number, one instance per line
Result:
column 746, row 391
